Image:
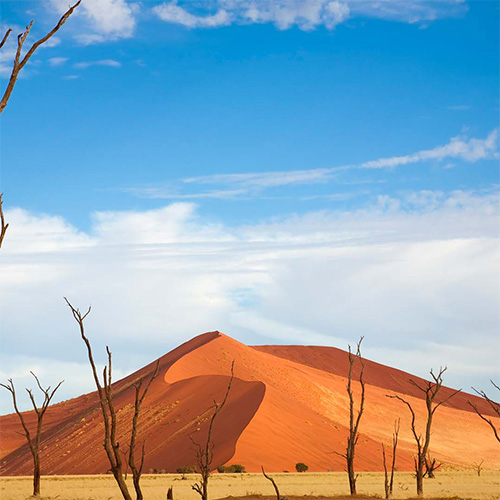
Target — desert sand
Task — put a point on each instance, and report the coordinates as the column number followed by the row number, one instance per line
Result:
column 288, row 404
column 462, row 484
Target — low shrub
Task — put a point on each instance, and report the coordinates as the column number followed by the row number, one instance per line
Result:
column 233, row 468
column 301, row 467
column 186, row 469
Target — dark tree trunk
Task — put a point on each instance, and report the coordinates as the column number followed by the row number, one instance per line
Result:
column 430, row 391
column 110, row 443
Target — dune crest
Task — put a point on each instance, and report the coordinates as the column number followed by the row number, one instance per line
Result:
column 288, row 404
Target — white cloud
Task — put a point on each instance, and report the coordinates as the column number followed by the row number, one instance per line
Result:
column 107, row 19
column 268, row 179
column 409, row 11
column 173, row 13
column 103, row 62
column 460, row 147
column 53, row 41
column 156, row 193
column 459, row 107
column 306, row 14
column 50, row 372
column 409, row 273
column 90, row 38
column 283, row 13
column 57, row 61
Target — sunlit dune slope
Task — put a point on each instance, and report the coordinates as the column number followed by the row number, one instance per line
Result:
column 288, row 404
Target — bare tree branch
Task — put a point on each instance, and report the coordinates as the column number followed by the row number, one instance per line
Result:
column 431, row 465
column 111, row 446
column 205, row 453
column 139, row 398
column 493, row 405
column 430, row 389
column 354, row 420
column 273, row 483
column 4, row 39
column 3, row 225
column 34, row 444
column 478, row 467
column 395, row 437
column 389, row 479
column 19, row 62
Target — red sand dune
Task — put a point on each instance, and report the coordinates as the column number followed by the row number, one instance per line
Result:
column 288, row 404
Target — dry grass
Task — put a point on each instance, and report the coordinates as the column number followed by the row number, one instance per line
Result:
column 447, row 484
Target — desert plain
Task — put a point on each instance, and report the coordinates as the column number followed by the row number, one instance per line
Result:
column 455, row 484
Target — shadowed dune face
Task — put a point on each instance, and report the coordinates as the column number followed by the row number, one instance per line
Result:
column 172, row 414
column 287, row 404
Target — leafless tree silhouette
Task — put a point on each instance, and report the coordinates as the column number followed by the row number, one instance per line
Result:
column 3, row 225
column 430, row 389
column 19, row 61
column 431, row 466
column 389, row 479
column 111, row 444
column 205, row 452
column 33, row 443
column 354, row 418
column 493, row 405
column 269, row 478
column 478, row 467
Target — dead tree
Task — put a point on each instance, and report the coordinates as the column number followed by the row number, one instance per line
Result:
column 33, row 443
column 278, row 497
column 431, row 466
column 205, row 452
column 478, row 467
column 493, row 405
column 20, row 62
column 430, row 389
column 3, row 224
column 389, row 479
column 104, row 391
column 354, row 418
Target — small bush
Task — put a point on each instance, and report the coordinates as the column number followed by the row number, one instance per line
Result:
column 191, row 469
column 233, row 468
column 237, row 468
column 301, row 467
column 157, row 471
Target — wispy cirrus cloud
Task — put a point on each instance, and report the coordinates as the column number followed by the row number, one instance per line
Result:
column 459, row 107
column 305, row 14
column 230, row 186
column 460, row 147
column 102, row 62
column 263, row 180
column 57, row 61
column 158, row 193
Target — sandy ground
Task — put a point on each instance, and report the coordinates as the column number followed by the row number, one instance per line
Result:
column 446, row 484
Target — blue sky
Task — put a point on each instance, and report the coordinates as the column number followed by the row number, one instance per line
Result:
column 297, row 172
